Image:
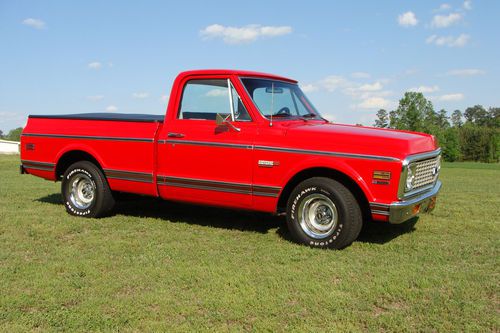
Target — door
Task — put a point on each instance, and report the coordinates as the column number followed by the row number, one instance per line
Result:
column 200, row 161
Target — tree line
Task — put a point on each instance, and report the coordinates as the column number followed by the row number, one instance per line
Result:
column 470, row 136
column 13, row 135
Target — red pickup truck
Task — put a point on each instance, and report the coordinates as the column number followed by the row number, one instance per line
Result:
column 242, row 140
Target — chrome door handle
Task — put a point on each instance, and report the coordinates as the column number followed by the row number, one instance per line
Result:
column 175, row 135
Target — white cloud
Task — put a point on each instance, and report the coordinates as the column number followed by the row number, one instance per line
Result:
column 245, row 34
column 466, row 72
column 95, row 98
column 443, row 7
column 376, row 86
column 308, row 88
column 374, row 103
column 444, row 21
column 334, row 82
column 449, row 41
column 424, row 89
column 360, row 75
column 468, row 4
column 34, row 23
column 407, row 19
column 94, row 65
column 451, row 97
column 111, row 108
column 217, row 92
column 164, row 98
column 140, row 95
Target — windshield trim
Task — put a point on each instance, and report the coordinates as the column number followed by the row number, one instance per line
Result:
column 288, row 118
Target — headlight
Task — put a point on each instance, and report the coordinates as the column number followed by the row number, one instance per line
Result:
column 438, row 167
column 410, row 178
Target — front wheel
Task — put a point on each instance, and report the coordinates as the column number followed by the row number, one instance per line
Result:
column 322, row 212
column 85, row 191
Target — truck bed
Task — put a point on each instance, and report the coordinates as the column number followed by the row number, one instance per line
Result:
column 135, row 117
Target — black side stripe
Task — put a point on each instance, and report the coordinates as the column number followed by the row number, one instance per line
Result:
column 141, row 177
column 260, row 190
column 87, row 137
column 35, row 165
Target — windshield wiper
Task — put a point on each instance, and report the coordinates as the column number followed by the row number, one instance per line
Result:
column 313, row 115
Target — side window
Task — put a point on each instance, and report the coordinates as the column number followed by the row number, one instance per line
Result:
column 203, row 99
column 240, row 111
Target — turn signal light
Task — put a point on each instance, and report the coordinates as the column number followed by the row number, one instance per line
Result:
column 382, row 175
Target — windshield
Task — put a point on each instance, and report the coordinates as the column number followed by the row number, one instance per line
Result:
column 279, row 99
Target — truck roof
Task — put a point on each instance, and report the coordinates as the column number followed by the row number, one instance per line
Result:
column 234, row 72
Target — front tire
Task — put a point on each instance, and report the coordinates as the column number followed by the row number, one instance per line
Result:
column 85, row 191
column 322, row 212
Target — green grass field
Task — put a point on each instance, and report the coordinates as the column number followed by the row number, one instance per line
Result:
column 159, row 266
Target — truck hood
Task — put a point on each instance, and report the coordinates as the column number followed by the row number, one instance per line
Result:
column 358, row 139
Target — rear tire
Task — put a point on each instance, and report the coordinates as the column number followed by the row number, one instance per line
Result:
column 322, row 212
column 85, row 191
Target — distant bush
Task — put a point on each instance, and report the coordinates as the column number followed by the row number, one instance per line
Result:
column 14, row 135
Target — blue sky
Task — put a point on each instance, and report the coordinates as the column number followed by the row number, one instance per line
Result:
column 351, row 57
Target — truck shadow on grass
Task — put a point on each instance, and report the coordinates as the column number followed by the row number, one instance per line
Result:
column 173, row 212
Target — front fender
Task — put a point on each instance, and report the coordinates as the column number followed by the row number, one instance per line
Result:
column 335, row 164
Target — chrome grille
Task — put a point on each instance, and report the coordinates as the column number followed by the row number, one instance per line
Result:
column 426, row 172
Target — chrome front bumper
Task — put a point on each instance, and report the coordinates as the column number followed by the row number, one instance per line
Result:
column 402, row 211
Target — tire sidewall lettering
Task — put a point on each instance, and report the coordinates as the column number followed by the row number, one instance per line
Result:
column 293, row 215
column 67, row 202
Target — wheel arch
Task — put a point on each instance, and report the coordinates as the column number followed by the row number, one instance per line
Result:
column 328, row 172
column 71, row 156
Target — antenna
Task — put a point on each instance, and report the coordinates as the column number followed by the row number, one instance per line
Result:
column 272, row 104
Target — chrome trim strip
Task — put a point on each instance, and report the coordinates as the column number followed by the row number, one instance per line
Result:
column 327, row 153
column 86, row 137
column 380, row 212
column 284, row 149
column 212, row 144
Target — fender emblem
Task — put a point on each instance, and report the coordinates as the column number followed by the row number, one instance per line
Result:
column 268, row 164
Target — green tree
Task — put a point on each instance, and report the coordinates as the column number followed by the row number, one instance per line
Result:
column 382, row 120
column 476, row 115
column 1, row 134
column 393, row 119
column 494, row 117
column 442, row 119
column 456, row 119
column 413, row 109
column 14, row 135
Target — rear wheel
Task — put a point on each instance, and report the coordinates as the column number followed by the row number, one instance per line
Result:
column 85, row 191
column 322, row 212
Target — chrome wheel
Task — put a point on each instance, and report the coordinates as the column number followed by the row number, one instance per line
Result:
column 318, row 216
column 82, row 191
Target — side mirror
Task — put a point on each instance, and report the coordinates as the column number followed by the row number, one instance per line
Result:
column 225, row 120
